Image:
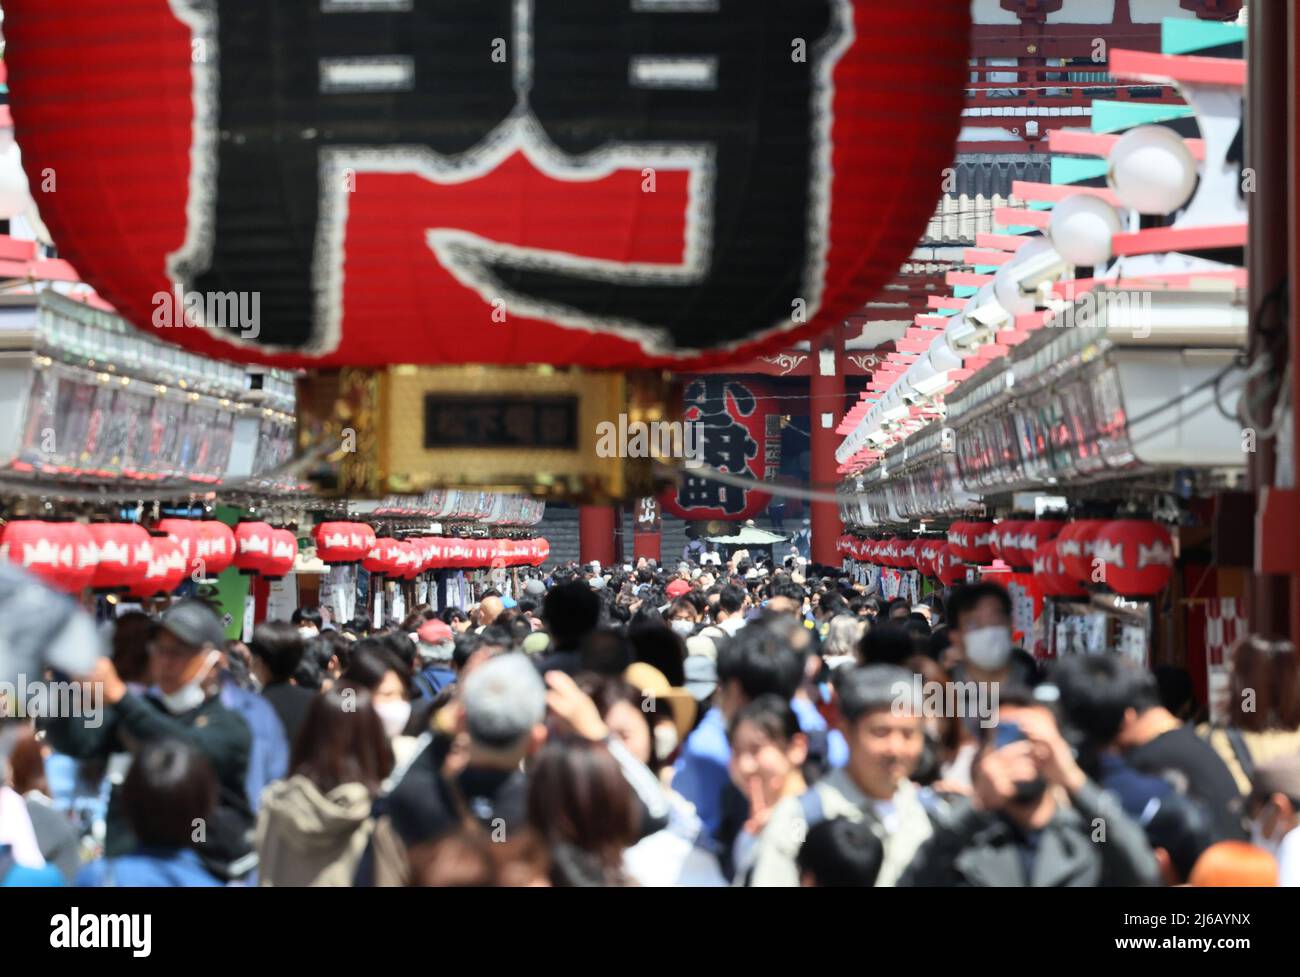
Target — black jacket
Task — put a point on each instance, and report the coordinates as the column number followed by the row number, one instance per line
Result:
column 290, row 703
column 1090, row 843
column 218, row 733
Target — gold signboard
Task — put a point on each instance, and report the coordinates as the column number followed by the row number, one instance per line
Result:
column 532, row 430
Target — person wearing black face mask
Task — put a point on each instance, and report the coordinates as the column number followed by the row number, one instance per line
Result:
column 1035, row 818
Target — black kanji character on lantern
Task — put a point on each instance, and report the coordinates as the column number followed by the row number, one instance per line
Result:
column 731, row 88
column 725, row 443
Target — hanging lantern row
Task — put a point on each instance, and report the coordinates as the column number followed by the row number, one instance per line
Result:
column 340, row 543
column 126, row 557
column 1131, row 557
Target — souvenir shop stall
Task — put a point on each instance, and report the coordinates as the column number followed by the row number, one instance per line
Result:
column 1070, row 422
column 133, row 472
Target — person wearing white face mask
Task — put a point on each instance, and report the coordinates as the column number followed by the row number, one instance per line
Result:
column 1275, row 815
column 182, row 704
column 979, row 632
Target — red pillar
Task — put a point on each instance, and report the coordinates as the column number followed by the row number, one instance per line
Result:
column 596, row 534
column 826, row 392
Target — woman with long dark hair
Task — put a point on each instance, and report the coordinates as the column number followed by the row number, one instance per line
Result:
column 582, row 806
column 313, row 827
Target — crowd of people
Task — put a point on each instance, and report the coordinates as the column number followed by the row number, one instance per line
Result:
column 738, row 723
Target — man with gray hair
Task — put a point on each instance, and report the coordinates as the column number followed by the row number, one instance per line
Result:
column 502, row 712
column 882, row 721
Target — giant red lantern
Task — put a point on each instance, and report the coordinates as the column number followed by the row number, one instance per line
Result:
column 1137, row 556
column 261, row 151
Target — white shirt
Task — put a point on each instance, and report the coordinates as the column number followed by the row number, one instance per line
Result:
column 732, row 624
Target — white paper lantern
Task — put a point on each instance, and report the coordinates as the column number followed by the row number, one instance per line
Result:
column 1152, row 170
column 942, row 356
column 1082, row 228
column 1006, row 282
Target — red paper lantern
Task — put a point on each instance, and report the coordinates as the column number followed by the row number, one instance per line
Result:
column 779, row 205
column 36, row 546
column 377, row 561
column 79, row 545
column 341, row 543
column 189, row 534
column 166, row 569
column 979, row 542
column 1050, row 574
column 949, row 567
column 958, row 537
column 284, row 550
column 437, row 553
column 1137, row 556
column 907, row 555
column 541, row 550
column 1067, row 585
column 122, row 553
column 1003, row 542
column 252, row 546
column 217, row 547
column 1039, row 532
column 1077, row 544
column 413, row 562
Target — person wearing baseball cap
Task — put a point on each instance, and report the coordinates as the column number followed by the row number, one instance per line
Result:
column 183, row 704
column 435, row 643
column 677, row 588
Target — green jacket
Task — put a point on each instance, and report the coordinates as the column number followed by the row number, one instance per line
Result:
column 215, row 731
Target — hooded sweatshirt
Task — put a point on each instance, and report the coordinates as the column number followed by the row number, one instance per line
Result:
column 307, row 838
